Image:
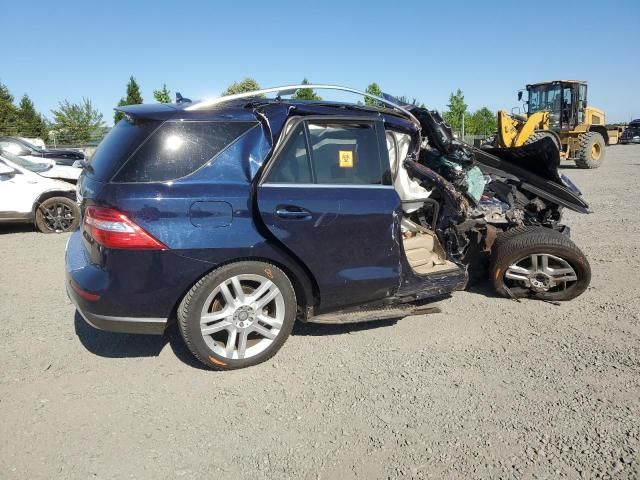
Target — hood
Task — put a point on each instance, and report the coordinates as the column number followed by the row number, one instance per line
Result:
column 534, row 166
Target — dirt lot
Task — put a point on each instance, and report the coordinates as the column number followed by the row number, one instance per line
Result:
column 489, row 388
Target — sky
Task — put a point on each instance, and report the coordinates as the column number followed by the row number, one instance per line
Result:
column 55, row 50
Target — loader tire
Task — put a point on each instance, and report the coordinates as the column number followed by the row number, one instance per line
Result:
column 592, row 150
column 540, row 135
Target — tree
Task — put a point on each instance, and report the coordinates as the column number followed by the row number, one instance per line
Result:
column 306, row 93
column 30, row 123
column 484, row 122
column 162, row 96
column 8, row 112
column 77, row 122
column 457, row 108
column 414, row 101
column 134, row 97
column 246, row 85
column 373, row 89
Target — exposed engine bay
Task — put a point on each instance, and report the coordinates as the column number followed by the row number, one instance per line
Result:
column 468, row 196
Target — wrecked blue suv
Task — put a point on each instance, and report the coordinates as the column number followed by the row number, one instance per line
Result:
column 239, row 215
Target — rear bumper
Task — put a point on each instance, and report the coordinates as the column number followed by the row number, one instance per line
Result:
column 91, row 281
column 147, row 326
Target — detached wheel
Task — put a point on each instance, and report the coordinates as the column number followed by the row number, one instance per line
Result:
column 540, row 263
column 238, row 315
column 57, row 215
column 592, row 150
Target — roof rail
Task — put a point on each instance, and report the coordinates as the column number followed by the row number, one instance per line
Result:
column 290, row 90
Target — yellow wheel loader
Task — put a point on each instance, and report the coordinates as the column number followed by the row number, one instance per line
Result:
column 559, row 109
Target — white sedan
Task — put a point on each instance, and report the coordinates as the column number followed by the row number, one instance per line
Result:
column 46, row 167
column 26, row 196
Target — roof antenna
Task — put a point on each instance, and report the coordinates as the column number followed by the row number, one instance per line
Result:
column 181, row 99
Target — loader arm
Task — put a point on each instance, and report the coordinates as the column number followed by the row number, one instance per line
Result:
column 513, row 132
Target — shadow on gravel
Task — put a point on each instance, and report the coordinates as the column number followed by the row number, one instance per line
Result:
column 319, row 329
column 569, row 166
column 123, row 345
column 16, row 228
column 483, row 288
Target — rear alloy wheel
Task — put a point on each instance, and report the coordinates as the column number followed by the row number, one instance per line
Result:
column 57, row 215
column 238, row 315
column 592, row 150
column 540, row 263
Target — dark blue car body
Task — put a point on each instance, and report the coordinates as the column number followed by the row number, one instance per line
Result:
column 340, row 245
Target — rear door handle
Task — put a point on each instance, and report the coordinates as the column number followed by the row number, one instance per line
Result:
column 293, row 212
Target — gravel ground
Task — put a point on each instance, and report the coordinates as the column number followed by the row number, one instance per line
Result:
column 489, row 388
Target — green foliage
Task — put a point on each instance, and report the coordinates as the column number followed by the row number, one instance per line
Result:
column 134, row 97
column 306, row 93
column 22, row 120
column 414, row 101
column 373, row 89
column 246, row 85
column 162, row 96
column 30, row 123
column 77, row 122
column 457, row 108
column 8, row 112
column 483, row 122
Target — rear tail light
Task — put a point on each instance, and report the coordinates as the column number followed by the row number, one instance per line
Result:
column 113, row 229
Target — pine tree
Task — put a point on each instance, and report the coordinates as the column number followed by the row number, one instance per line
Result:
column 134, row 97
column 457, row 109
column 373, row 89
column 30, row 123
column 306, row 93
column 8, row 112
column 162, row 96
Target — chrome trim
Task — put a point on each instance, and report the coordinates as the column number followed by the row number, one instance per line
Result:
column 323, row 185
column 290, row 90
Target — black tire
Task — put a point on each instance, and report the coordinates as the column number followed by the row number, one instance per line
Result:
column 57, row 215
column 592, row 150
column 517, row 244
column 536, row 136
column 190, row 309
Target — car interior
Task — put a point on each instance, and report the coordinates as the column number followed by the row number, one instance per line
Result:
column 421, row 245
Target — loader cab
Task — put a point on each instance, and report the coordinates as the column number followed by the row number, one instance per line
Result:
column 566, row 102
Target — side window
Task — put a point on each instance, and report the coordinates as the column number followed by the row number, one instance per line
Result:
column 292, row 164
column 345, row 153
column 177, row 149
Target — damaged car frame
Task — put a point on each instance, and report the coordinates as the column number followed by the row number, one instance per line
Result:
column 236, row 216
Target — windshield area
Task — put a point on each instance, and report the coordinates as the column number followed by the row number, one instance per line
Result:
column 24, row 163
column 30, row 145
column 545, row 98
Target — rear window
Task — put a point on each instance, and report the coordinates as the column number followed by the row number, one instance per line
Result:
column 178, row 148
column 117, row 146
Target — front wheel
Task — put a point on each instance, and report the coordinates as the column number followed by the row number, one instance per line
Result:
column 238, row 315
column 57, row 215
column 592, row 150
column 540, row 263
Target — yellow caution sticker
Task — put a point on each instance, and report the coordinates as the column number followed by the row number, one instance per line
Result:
column 346, row 158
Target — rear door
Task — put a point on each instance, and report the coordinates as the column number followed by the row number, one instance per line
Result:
column 327, row 196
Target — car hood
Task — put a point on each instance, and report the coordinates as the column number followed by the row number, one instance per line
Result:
column 535, row 166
